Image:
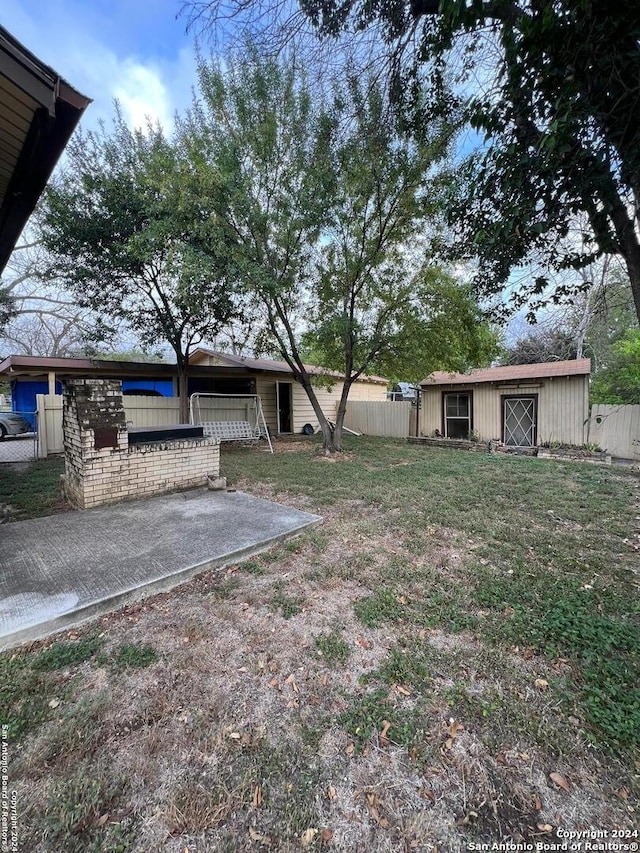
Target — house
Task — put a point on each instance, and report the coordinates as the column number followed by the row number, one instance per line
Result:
column 38, row 113
column 285, row 404
column 524, row 405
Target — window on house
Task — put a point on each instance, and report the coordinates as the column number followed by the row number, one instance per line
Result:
column 458, row 415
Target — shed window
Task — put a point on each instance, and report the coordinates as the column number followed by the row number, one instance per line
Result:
column 457, row 415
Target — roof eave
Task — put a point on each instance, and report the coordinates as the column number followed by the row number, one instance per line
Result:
column 53, row 122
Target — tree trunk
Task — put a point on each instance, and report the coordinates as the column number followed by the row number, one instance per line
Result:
column 183, row 393
column 331, row 440
column 629, row 248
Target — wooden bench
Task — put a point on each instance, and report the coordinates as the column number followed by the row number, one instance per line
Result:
column 230, row 430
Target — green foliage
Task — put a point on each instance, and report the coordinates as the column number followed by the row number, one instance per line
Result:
column 24, row 695
column 408, row 664
column 28, row 683
column 135, row 655
column 619, row 380
column 552, row 89
column 334, row 649
column 125, row 235
column 62, row 655
column 322, row 199
column 34, row 490
column 592, row 626
column 74, row 811
column 254, row 567
column 368, row 714
column 383, row 606
column 286, row 605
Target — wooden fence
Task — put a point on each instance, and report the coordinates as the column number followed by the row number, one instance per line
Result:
column 383, row 418
column 616, row 429
column 151, row 411
column 140, row 411
column 49, row 415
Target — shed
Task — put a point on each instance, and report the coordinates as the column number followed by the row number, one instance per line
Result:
column 522, row 405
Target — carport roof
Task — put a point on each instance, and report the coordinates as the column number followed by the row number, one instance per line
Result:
column 35, row 366
column 38, row 113
column 511, row 373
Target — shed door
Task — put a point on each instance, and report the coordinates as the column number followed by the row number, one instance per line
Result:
column 519, row 421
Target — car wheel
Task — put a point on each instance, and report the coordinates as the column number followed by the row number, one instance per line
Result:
column 3, row 432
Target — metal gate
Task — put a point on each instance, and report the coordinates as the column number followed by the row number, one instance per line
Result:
column 18, row 436
column 519, row 421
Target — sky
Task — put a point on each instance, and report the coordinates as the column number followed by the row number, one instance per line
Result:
column 134, row 50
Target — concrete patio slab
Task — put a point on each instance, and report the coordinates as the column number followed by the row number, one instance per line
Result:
column 61, row 570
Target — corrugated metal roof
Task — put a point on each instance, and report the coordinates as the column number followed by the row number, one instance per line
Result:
column 512, row 373
column 31, row 365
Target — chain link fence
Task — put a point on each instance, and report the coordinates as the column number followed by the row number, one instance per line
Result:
column 18, row 436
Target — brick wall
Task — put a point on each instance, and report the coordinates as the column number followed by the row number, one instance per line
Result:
column 101, row 468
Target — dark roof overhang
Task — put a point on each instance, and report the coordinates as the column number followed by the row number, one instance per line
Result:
column 36, row 367
column 38, row 113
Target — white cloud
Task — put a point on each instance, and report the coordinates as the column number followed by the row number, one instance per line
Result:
column 147, row 86
column 143, row 95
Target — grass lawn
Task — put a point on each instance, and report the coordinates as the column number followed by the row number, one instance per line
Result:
column 452, row 657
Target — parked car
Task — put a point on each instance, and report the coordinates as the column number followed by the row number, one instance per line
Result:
column 13, row 424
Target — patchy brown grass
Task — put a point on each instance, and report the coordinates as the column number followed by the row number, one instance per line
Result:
column 388, row 710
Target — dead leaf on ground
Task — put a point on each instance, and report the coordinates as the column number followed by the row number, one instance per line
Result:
column 560, row 781
column 291, row 681
column 331, row 792
column 307, row 836
column 623, row 793
column 326, row 835
column 384, row 740
column 350, row 749
column 254, row 835
column 372, row 803
column 466, row 820
column 454, row 729
column 537, row 803
column 102, row 820
column 257, row 796
column 541, row 684
column 363, row 643
column 545, row 827
column 400, row 688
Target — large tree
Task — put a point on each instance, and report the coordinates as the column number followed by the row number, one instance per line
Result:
column 554, row 88
column 329, row 207
column 126, row 238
